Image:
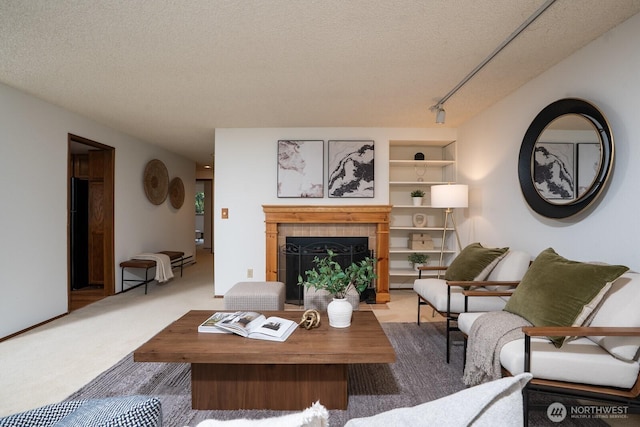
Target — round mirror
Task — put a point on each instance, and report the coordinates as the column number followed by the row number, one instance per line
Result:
column 565, row 158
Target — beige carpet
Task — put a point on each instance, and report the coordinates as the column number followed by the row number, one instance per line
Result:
column 47, row 364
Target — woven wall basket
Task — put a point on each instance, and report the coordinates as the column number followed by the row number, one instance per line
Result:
column 156, row 181
column 176, row 193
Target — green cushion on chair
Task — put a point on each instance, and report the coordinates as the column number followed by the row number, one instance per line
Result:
column 474, row 262
column 556, row 291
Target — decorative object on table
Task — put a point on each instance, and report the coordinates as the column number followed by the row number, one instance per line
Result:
column 417, row 196
column 176, row 192
column 449, row 196
column 156, row 181
column 417, row 260
column 420, row 242
column 330, row 276
column 339, row 312
column 351, row 169
column 419, row 220
column 301, row 168
column 310, row 319
column 418, row 156
column 249, row 324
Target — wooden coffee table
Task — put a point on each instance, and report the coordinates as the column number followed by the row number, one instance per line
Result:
column 232, row 372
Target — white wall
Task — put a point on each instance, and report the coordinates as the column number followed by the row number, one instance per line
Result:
column 33, row 198
column 208, row 222
column 246, row 178
column 140, row 225
column 605, row 73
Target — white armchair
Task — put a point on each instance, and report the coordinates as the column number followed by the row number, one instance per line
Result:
column 602, row 359
column 447, row 298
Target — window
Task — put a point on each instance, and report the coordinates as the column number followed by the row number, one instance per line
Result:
column 200, row 203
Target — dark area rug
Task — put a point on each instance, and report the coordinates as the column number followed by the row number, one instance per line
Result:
column 419, row 375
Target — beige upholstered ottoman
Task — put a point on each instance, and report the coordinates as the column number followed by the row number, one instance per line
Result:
column 318, row 299
column 268, row 296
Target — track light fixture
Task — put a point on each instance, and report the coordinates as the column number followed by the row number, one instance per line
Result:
column 438, row 107
column 440, row 114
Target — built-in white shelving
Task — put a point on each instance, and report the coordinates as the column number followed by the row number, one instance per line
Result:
column 405, row 175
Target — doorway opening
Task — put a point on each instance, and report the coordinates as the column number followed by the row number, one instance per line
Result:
column 203, row 212
column 90, row 236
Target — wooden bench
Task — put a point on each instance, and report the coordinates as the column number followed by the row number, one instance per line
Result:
column 177, row 260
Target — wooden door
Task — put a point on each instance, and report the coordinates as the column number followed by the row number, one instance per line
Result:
column 96, row 217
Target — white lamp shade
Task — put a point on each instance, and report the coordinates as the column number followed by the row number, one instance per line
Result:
column 449, row 196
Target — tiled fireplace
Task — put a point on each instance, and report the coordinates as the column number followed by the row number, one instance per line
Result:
column 298, row 220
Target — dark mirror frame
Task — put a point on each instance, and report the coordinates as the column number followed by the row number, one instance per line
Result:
column 525, row 159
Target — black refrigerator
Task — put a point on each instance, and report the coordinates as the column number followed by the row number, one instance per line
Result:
column 79, row 229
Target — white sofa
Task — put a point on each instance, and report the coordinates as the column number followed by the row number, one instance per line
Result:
column 602, row 363
column 496, row 402
column 447, row 298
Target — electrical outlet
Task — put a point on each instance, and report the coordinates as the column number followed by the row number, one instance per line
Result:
column 249, row 273
column 225, row 213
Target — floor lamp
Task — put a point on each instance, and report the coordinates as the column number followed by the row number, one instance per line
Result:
column 449, row 196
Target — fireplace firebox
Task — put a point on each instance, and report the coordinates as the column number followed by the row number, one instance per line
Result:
column 297, row 255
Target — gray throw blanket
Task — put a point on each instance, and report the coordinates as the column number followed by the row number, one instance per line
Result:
column 488, row 334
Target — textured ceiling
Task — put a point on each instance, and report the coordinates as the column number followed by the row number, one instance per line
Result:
column 170, row 72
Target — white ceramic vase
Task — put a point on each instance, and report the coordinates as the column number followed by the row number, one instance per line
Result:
column 417, row 201
column 339, row 311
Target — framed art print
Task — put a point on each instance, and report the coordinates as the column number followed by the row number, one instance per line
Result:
column 301, row 168
column 351, row 169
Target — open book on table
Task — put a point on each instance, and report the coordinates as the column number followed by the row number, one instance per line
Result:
column 249, row 324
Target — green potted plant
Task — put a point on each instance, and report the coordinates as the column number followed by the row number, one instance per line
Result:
column 329, row 275
column 417, row 259
column 417, row 196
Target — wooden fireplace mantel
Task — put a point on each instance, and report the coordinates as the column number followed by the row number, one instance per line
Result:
column 379, row 215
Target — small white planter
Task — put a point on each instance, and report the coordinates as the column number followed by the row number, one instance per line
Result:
column 339, row 311
column 415, row 266
column 417, row 201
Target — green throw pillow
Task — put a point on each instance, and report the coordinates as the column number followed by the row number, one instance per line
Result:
column 556, row 291
column 474, row 263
